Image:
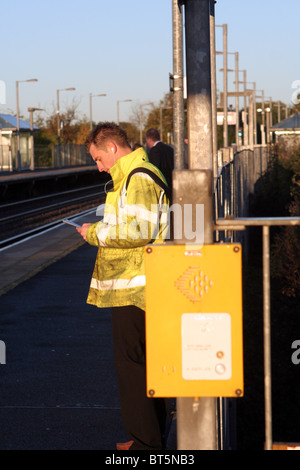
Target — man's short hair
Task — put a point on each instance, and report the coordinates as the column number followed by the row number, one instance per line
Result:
column 103, row 133
column 152, row 134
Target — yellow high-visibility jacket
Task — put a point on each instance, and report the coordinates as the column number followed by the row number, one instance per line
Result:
column 133, row 217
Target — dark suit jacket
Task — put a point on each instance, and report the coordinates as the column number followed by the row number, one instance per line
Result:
column 162, row 156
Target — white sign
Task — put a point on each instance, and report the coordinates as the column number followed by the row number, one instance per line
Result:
column 231, row 118
column 206, row 346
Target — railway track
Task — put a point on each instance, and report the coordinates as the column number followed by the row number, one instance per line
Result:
column 21, row 218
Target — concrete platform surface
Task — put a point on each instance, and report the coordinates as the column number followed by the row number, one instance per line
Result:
column 58, row 384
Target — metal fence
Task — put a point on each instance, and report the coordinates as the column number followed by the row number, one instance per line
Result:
column 238, row 180
column 236, row 184
column 70, row 155
column 45, row 156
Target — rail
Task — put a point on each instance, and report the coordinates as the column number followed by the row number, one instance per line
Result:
column 265, row 222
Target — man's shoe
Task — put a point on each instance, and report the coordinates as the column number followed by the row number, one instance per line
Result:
column 124, row 445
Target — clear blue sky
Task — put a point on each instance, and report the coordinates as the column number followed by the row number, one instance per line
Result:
column 124, row 48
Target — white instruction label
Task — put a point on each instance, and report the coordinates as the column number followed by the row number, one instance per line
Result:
column 206, row 346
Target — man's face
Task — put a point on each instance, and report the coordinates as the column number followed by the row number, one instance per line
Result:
column 104, row 159
column 149, row 142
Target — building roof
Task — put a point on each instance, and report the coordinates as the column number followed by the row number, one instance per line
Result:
column 9, row 122
column 290, row 123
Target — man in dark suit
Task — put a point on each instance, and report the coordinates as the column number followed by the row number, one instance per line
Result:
column 160, row 154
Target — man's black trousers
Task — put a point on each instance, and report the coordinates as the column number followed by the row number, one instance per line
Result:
column 144, row 418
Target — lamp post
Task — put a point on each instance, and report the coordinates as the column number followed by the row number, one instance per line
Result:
column 236, row 55
column 225, row 126
column 91, row 111
column 254, row 110
column 263, row 111
column 31, row 111
column 58, row 121
column 118, row 105
column 18, row 118
column 245, row 124
column 247, row 137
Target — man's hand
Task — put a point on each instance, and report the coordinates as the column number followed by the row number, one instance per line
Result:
column 83, row 229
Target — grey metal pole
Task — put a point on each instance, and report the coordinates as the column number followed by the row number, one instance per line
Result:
column 196, row 419
column 19, row 163
column 178, row 103
column 58, row 129
column 268, row 111
column 267, row 337
column 31, row 111
column 246, row 138
column 263, row 118
column 251, row 120
column 213, row 89
column 91, row 108
column 31, row 139
column 237, row 97
column 271, row 112
column 118, row 108
column 198, row 83
column 58, row 116
column 18, row 160
column 225, row 65
column 254, row 114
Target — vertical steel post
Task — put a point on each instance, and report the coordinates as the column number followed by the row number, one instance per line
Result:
column 213, row 89
column 254, row 114
column 198, row 67
column 178, row 104
column 18, row 159
column 251, row 121
column 267, row 337
column 31, row 139
column 237, row 98
column 246, row 138
column 196, row 418
column 58, row 130
column 225, row 66
column 263, row 139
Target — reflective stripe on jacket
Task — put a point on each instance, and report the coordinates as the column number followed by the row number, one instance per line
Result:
column 132, row 219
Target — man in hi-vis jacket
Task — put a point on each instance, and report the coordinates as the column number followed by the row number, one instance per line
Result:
column 135, row 215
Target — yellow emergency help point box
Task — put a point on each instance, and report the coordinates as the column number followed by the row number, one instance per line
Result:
column 194, row 341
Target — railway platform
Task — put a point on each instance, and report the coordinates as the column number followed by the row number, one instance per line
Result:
column 58, row 386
